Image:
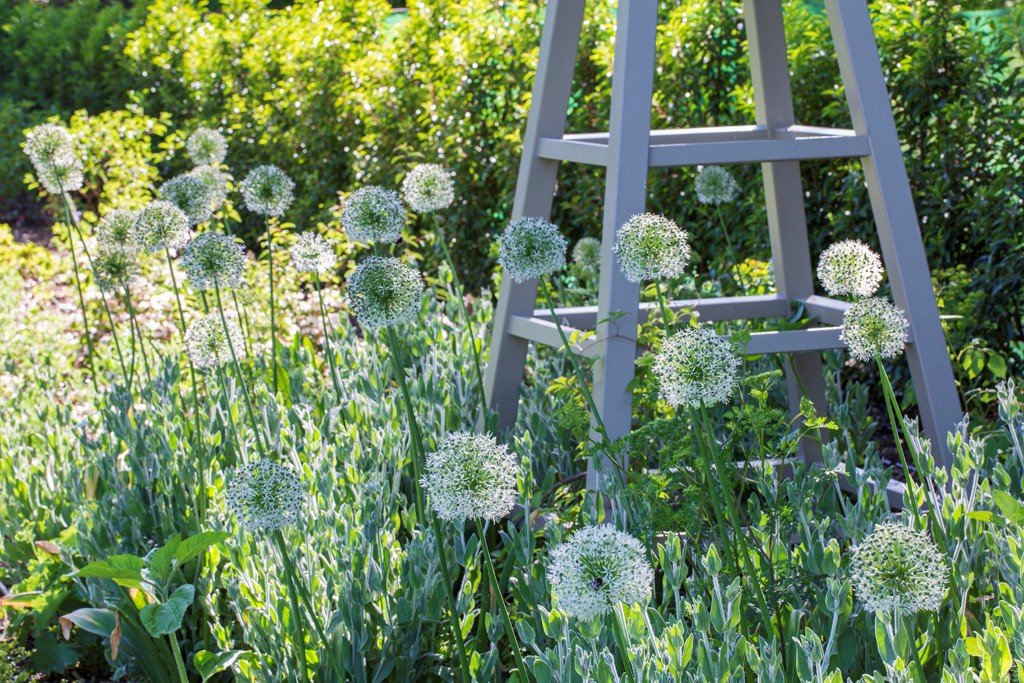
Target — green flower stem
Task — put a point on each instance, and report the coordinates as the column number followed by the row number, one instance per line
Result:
column 663, row 305
column 241, row 378
column 328, row 349
column 622, row 641
column 91, row 352
column 460, row 294
column 133, row 320
column 492, row 578
column 725, row 230
column 298, row 619
column 273, row 302
column 179, row 662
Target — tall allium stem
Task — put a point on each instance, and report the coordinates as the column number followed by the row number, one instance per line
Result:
column 419, row 456
column 179, row 662
column 81, row 304
column 133, row 321
column 492, row 579
column 298, row 618
column 663, row 305
column 725, row 229
column 273, row 303
column 328, row 348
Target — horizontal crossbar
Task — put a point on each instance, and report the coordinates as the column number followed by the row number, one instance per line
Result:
column 720, row 145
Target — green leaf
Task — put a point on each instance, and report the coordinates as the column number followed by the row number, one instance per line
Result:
column 160, row 561
column 1010, row 506
column 162, row 619
column 210, row 663
column 194, row 545
column 124, row 570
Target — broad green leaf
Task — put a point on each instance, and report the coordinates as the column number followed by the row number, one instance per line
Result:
column 125, row 570
column 162, row 619
column 1009, row 506
column 160, row 560
column 209, row 663
column 194, row 545
column 100, row 622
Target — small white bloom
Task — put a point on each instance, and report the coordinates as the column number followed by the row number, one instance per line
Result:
column 214, row 260
column 160, row 225
column 695, row 367
column 471, row 476
column 531, row 247
column 209, row 345
column 50, row 143
column 715, row 185
column 651, row 247
column 58, row 178
column 428, row 188
column 265, row 496
column 311, row 253
column 373, row 214
column 216, row 181
column 384, row 292
column 598, row 568
column 267, row 190
column 586, row 253
column 899, row 570
column 206, row 146
column 850, row 268
column 115, row 230
column 874, row 327
column 192, row 195
column 114, row 267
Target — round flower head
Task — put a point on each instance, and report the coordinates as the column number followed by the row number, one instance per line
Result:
column 115, row 230
column 850, row 268
column 373, row 214
column 715, row 185
column 214, row 260
column 531, row 247
column 216, row 182
column 651, row 247
column 598, row 568
column 207, row 343
column 115, row 267
column 874, row 327
column 50, row 143
column 383, row 292
column 899, row 570
column 587, row 254
column 160, row 225
column 428, row 187
column 696, row 367
column 57, row 178
column 268, row 191
column 471, row 476
column 265, row 496
column 311, row 253
column 206, row 146
column 190, row 194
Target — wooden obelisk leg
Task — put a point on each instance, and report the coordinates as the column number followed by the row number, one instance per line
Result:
column 625, row 195
column 784, row 196
column 535, row 190
column 896, row 220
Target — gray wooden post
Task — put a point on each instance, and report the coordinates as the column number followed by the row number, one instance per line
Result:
column 896, row 219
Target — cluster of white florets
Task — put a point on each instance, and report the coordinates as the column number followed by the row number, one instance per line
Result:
column 373, row 214
column 874, row 327
column 214, row 260
column 471, row 476
column 311, row 253
column 715, row 185
column 52, row 151
column 428, row 187
column 191, row 194
column 384, row 292
column 695, row 367
column 899, row 570
column 586, row 254
column 115, row 230
column 160, row 225
column 850, row 268
column 651, row 247
column 114, row 267
column 209, row 345
column 216, row 181
column 267, row 191
column 530, row 248
column 265, row 496
column 206, row 146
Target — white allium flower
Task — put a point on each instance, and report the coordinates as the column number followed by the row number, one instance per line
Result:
column 207, row 343
column 384, row 292
column 586, row 253
column 115, row 267
column 373, row 214
column 160, row 225
column 50, row 143
column 598, row 568
column 216, row 181
column 265, row 496
column 874, row 327
column 471, row 476
column 530, row 248
column 268, row 191
column 850, row 268
column 214, row 259
column 899, row 570
column 715, row 185
column 696, row 367
column 206, row 146
column 189, row 193
column 651, row 247
column 115, row 230
column 311, row 253
column 58, row 178
column 428, row 187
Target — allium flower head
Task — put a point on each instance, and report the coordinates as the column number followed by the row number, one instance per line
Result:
column 265, row 496
column 598, row 568
column 471, row 476
column 160, row 225
column 696, row 367
column 50, row 143
column 651, row 247
column 267, row 190
column 373, row 214
column 115, row 230
column 899, row 570
column 115, row 267
column 874, row 327
column 850, row 268
column 586, row 253
column 214, row 260
column 209, row 345
column 531, row 247
column 60, row 177
column 384, row 292
column 189, row 193
column 216, row 181
column 428, row 187
column 206, row 146
column 715, row 185
column 311, row 253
